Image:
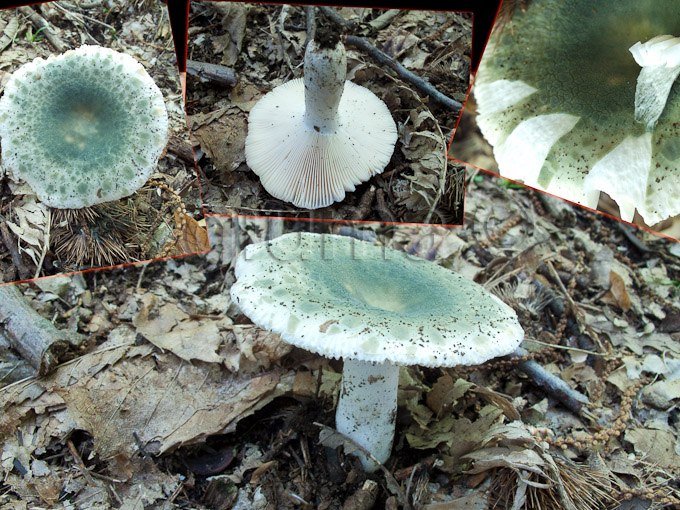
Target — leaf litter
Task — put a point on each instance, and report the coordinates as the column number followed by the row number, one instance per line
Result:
column 148, row 397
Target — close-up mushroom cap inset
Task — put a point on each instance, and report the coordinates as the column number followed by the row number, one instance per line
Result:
column 376, row 308
column 579, row 97
column 82, row 128
column 312, row 139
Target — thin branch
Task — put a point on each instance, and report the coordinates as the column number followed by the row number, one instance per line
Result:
column 213, row 73
column 41, row 23
column 38, row 341
column 335, row 17
column 46, row 243
column 402, row 72
column 551, row 383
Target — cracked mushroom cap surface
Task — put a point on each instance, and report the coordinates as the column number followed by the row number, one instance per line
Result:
column 580, row 96
column 84, row 127
column 344, row 298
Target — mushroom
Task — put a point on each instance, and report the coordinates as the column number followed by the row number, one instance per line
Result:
column 376, row 308
column 568, row 110
column 84, row 127
column 312, row 139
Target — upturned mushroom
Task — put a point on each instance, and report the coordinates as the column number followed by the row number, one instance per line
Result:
column 564, row 101
column 312, row 139
column 82, row 128
column 376, row 308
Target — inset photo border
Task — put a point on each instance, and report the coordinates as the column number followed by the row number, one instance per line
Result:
column 159, row 214
column 582, row 101
column 415, row 62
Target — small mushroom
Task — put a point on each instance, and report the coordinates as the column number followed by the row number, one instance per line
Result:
column 569, row 110
column 82, row 128
column 312, row 139
column 376, row 308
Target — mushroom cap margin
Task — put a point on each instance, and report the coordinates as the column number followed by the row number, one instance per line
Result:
column 344, row 298
column 82, row 163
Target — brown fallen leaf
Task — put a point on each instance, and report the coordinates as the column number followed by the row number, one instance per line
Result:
column 172, row 329
column 125, row 397
column 444, row 394
column 617, row 295
column 194, row 237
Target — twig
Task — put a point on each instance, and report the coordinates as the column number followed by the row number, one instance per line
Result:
column 310, row 14
column 384, row 19
column 567, row 348
column 388, row 476
column 46, row 244
column 279, row 33
column 552, row 384
column 335, row 17
column 383, row 210
column 403, row 73
column 90, row 5
column 41, row 24
column 181, row 148
column 628, row 232
column 79, row 461
column 363, row 208
column 11, row 245
column 37, row 340
column 75, row 16
column 222, row 76
column 438, row 196
column 557, row 278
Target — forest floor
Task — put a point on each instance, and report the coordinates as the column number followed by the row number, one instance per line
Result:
column 171, row 398
column 175, row 397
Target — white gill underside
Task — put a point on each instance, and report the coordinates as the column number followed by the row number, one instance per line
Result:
column 629, row 187
column 310, row 168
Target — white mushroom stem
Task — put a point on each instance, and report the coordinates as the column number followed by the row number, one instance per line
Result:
column 325, row 72
column 367, row 408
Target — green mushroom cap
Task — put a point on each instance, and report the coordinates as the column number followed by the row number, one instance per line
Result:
column 570, row 110
column 83, row 127
column 345, row 298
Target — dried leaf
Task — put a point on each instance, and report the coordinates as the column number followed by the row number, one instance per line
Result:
column 445, row 393
column 500, row 401
column 33, row 228
column 234, row 21
column 618, row 291
column 194, row 237
column 9, row 33
column 165, row 401
column 173, row 330
column 222, row 136
column 495, row 457
column 653, row 445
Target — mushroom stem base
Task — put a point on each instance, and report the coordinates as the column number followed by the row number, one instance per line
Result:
column 367, row 408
